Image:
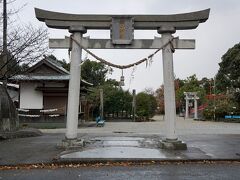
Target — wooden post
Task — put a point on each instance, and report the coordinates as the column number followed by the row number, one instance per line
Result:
column 101, row 103
column 195, row 108
column 134, row 105
column 186, row 109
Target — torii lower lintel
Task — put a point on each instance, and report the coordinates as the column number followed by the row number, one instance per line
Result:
column 136, row 44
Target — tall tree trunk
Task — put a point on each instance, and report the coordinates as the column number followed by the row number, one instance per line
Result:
column 5, row 50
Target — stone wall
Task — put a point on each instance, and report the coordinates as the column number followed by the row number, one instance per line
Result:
column 8, row 114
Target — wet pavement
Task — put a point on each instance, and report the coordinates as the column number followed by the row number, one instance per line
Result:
column 127, row 142
column 114, row 147
column 147, row 148
column 151, row 172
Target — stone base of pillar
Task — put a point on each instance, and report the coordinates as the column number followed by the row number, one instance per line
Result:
column 71, row 144
column 173, row 144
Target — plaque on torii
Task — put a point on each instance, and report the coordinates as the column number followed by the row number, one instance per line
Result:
column 122, row 37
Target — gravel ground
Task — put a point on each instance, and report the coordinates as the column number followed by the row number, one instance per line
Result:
column 183, row 127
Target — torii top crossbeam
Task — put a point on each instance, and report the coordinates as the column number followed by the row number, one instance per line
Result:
column 147, row 22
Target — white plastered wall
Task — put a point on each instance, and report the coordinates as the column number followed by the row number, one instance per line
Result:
column 29, row 97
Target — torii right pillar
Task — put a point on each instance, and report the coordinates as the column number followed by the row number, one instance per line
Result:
column 196, row 106
column 171, row 140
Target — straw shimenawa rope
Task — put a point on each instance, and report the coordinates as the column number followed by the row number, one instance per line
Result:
column 122, row 66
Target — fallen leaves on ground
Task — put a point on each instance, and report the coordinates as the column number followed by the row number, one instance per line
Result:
column 102, row 164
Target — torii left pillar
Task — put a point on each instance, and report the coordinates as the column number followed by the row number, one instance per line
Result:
column 74, row 87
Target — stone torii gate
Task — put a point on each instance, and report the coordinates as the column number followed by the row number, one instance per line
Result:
column 191, row 96
column 122, row 37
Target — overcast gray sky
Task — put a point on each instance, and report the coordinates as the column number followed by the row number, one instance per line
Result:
column 213, row 38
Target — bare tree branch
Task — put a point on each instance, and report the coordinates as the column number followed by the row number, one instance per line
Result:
column 25, row 45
